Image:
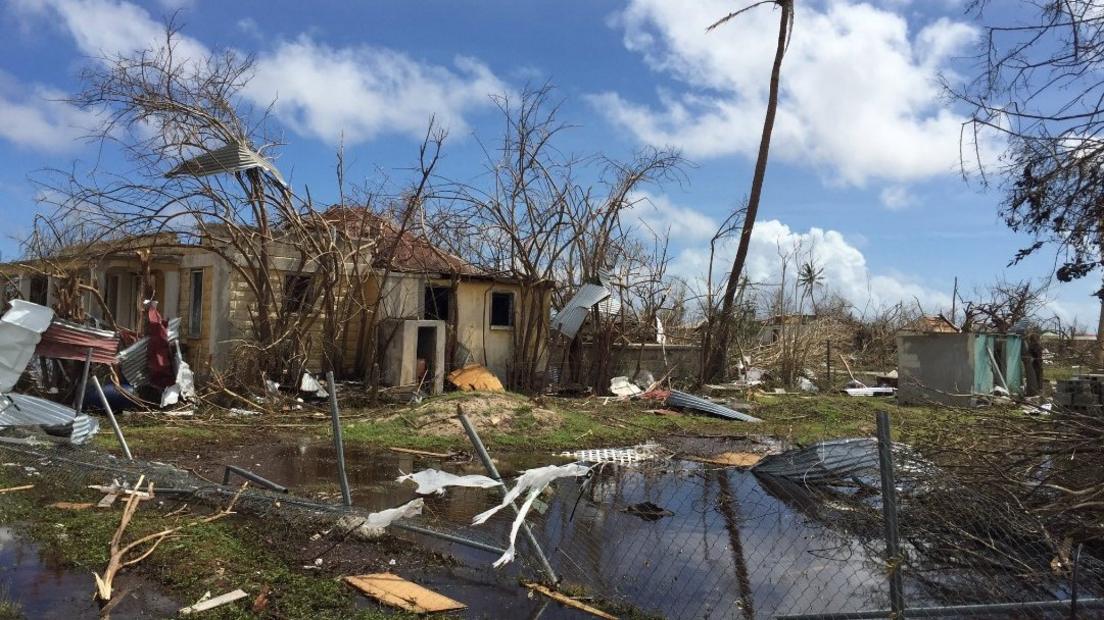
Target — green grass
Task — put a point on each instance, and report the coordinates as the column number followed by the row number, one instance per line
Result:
column 220, row 556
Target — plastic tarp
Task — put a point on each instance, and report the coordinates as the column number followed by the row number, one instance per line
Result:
column 23, row 410
column 434, row 481
column 568, row 320
column 826, row 461
column 534, row 481
column 21, row 329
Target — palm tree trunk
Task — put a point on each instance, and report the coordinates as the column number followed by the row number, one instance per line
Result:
column 716, row 361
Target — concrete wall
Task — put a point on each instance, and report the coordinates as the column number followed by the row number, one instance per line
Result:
column 682, row 360
column 399, row 344
column 951, row 369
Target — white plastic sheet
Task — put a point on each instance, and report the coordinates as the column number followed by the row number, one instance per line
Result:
column 21, row 328
column 434, row 481
column 535, row 481
column 377, row 521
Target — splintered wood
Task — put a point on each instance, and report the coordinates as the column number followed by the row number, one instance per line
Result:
column 390, row 589
column 731, row 459
column 567, row 600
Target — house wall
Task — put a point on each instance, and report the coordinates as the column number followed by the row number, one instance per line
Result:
column 951, row 369
column 683, row 361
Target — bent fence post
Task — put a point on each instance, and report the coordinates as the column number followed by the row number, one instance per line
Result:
column 481, row 450
column 889, row 513
column 111, row 416
column 339, row 444
column 78, row 403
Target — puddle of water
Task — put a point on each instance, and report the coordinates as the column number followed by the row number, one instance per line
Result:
column 47, row 591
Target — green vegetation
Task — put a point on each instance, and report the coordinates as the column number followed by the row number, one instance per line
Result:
column 216, row 557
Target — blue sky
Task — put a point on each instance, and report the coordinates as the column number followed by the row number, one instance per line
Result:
column 865, row 167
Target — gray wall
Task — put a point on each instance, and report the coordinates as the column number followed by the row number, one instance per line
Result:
column 935, row 368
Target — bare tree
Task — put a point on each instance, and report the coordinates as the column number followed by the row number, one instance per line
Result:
column 717, row 355
column 1038, row 91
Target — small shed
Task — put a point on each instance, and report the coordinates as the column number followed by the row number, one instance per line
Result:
column 955, row 368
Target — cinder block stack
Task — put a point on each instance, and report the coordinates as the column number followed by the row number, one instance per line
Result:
column 1084, row 393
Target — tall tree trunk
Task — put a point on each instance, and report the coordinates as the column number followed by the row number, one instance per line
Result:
column 717, row 357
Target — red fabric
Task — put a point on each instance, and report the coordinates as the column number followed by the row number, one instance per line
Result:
column 158, row 360
column 66, row 341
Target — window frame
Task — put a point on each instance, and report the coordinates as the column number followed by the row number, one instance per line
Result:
column 195, row 305
column 512, row 311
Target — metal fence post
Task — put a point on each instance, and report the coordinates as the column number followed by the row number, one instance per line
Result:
column 485, row 457
column 339, row 444
column 111, row 417
column 889, row 514
column 78, row 403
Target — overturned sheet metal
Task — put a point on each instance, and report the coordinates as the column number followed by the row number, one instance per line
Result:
column 64, row 340
column 568, row 320
column 434, row 481
column 230, row 158
column 697, row 403
column 827, row 461
column 22, row 410
column 21, row 329
column 132, row 362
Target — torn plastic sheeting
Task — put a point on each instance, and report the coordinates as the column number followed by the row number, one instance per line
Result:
column 568, row 320
column 435, row 481
column 689, row 401
column 183, row 388
column 21, row 329
column 621, row 386
column 870, row 391
column 307, row 383
column 535, row 481
column 373, row 525
column 23, row 410
column 64, row 340
column 826, row 461
column 620, row 456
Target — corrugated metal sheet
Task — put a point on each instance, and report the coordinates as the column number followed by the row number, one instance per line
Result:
column 23, row 410
column 230, row 158
column 71, row 341
column 132, row 362
column 689, row 401
column 826, row 461
column 570, row 319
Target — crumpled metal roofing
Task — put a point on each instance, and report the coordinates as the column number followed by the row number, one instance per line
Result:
column 230, row 158
column 66, row 340
column 689, row 401
column 568, row 320
column 133, row 360
column 23, row 410
column 826, row 461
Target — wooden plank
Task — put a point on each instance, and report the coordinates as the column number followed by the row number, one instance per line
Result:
column 217, row 601
column 108, row 500
column 19, row 488
column 567, row 600
column 436, row 455
column 390, row 589
column 71, row 505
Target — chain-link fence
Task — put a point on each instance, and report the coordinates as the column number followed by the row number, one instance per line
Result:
column 667, row 537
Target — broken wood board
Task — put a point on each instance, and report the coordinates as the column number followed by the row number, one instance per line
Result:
column 19, row 488
column 390, row 589
column 108, row 500
column 436, row 455
column 72, row 505
column 567, row 600
column 730, row 459
column 217, row 601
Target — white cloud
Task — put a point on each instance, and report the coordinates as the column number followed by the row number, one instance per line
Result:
column 845, row 267
column 365, row 91
column 35, row 116
column 319, row 91
column 897, row 198
column 658, row 215
column 860, row 98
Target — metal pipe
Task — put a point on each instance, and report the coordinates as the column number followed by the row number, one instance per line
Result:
column 111, row 417
column 339, row 444
column 460, row 540
column 889, row 513
column 252, row 477
column 481, row 450
column 78, row 404
column 958, row 611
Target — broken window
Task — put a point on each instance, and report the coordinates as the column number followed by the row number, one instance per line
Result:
column 297, row 292
column 195, row 311
column 39, row 288
column 437, row 303
column 502, row 309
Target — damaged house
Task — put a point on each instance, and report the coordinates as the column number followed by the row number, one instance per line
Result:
column 415, row 312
